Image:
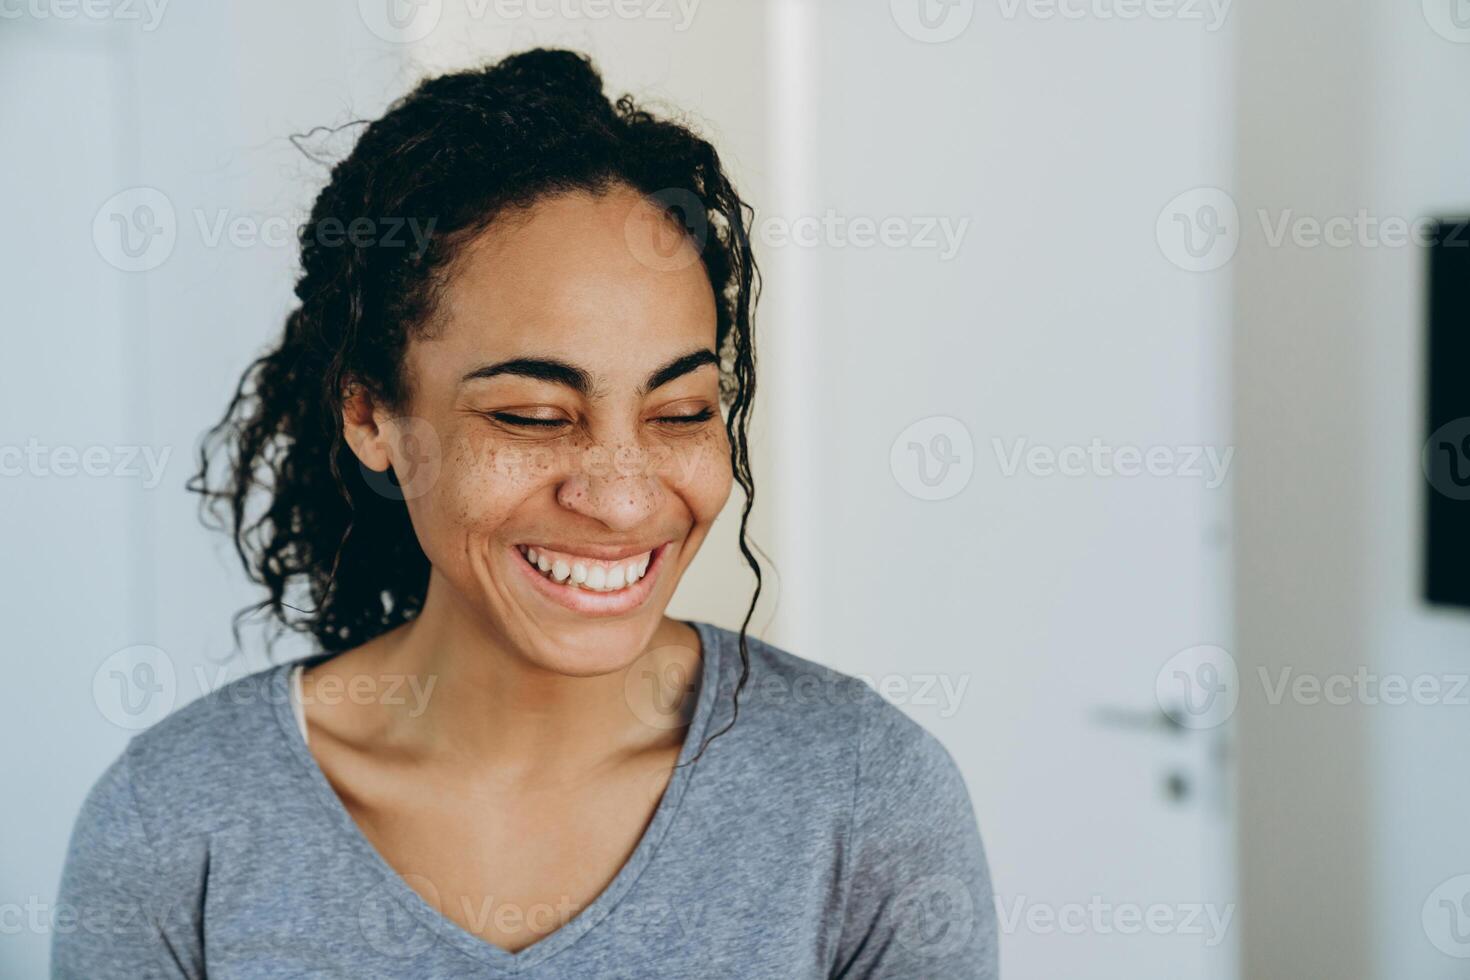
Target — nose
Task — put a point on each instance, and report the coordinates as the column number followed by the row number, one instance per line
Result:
column 618, row 487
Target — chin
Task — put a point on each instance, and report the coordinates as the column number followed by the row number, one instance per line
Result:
column 594, row 648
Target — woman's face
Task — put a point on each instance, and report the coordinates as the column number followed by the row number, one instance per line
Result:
column 567, row 406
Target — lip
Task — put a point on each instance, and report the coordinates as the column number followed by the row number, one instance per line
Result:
column 596, row 603
column 600, row 553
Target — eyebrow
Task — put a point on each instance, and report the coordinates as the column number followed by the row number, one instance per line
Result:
column 557, row 371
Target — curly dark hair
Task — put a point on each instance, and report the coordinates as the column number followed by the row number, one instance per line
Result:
column 454, row 153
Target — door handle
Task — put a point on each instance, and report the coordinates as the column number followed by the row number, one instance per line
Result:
column 1178, row 783
column 1155, row 720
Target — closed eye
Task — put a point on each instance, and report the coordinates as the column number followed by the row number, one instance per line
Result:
column 704, row 415
column 510, row 419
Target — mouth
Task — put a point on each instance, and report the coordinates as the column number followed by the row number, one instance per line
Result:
column 592, row 586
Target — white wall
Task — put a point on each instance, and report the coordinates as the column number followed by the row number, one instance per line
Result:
column 1351, row 815
column 197, row 105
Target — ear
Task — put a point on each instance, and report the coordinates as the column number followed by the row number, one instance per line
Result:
column 365, row 428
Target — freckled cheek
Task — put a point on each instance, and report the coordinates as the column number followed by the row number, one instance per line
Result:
column 476, row 494
column 702, row 474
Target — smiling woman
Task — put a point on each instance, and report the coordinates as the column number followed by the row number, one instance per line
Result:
column 477, row 470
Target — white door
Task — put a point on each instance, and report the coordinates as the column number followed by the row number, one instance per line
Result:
column 1001, row 463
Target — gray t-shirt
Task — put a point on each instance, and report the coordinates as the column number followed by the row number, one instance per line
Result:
column 825, row 835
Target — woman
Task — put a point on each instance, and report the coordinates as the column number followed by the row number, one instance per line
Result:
column 499, row 425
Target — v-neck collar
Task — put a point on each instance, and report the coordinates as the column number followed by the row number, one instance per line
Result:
column 347, row 831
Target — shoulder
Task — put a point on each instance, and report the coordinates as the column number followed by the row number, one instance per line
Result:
column 815, row 712
column 917, row 897
column 197, row 769
column 140, row 848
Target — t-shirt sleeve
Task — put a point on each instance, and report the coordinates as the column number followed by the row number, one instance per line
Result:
column 120, row 912
column 919, row 902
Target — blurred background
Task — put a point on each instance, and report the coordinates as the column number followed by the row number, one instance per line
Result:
column 1093, row 362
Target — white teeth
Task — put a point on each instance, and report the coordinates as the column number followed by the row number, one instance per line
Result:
column 595, row 578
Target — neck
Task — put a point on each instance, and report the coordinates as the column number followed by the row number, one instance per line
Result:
column 492, row 708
